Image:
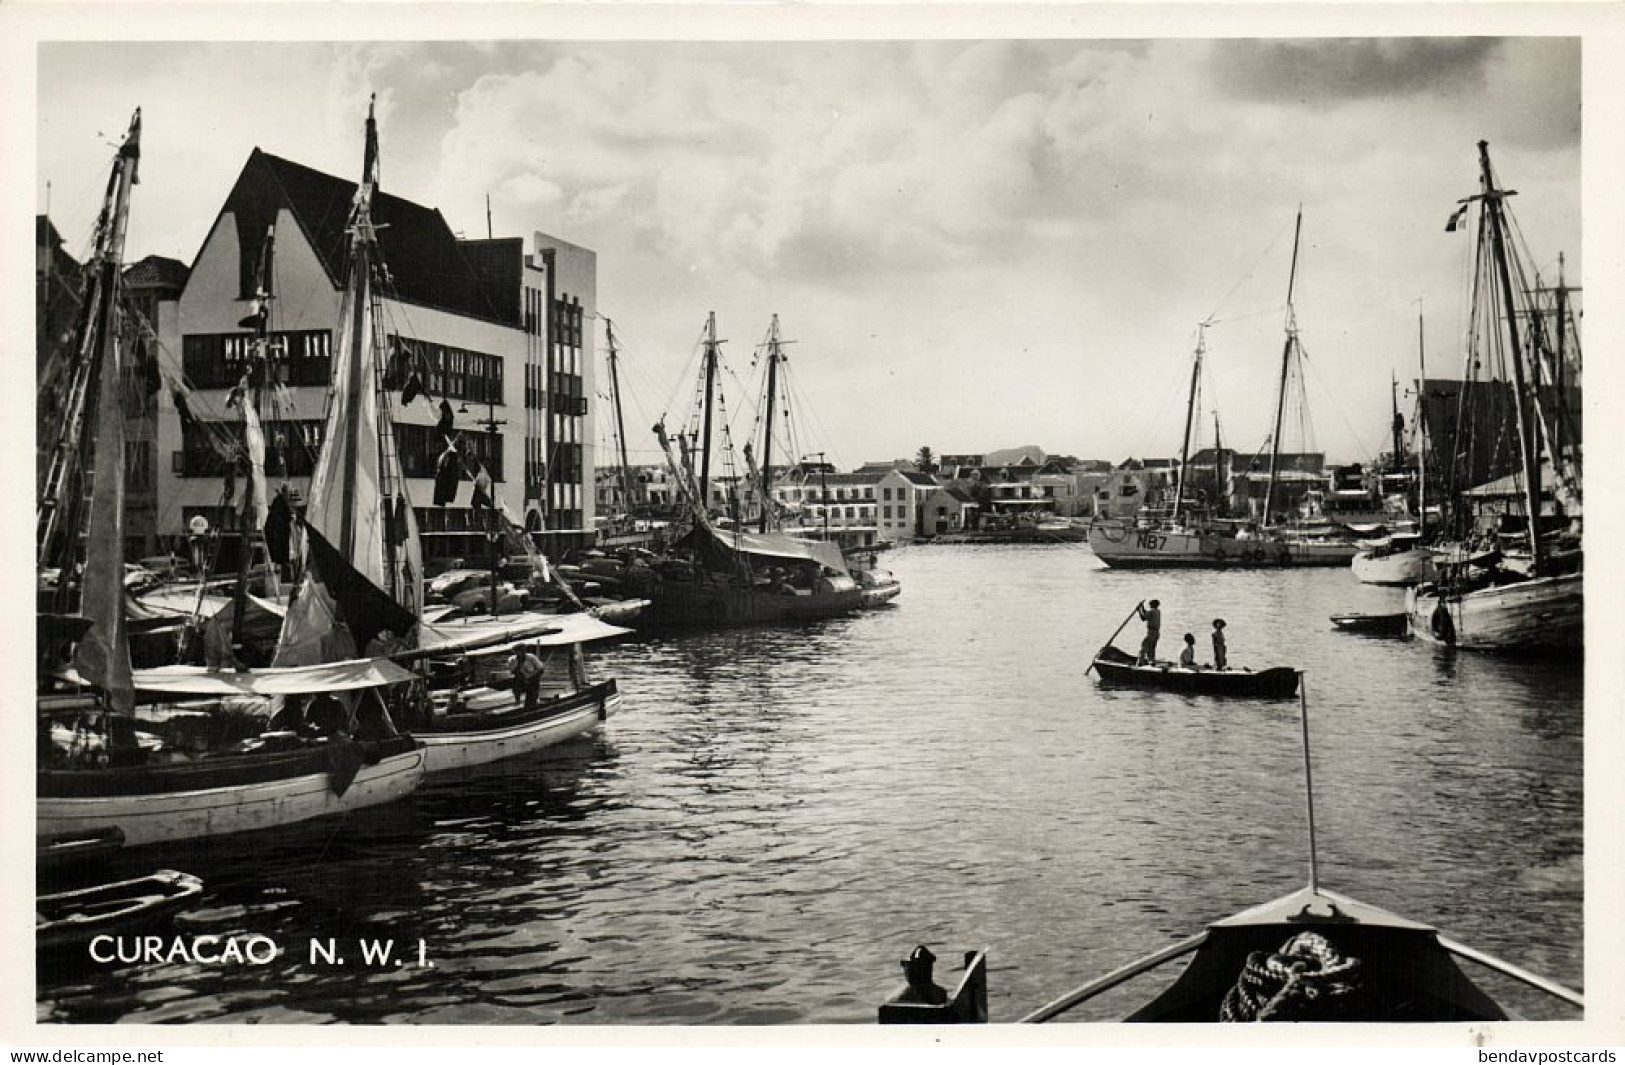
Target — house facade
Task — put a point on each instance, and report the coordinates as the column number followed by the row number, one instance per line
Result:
column 494, row 334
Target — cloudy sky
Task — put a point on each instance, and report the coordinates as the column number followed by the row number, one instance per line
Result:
column 975, row 244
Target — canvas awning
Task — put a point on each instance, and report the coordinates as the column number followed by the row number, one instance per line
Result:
column 777, row 545
column 295, row 680
column 487, row 635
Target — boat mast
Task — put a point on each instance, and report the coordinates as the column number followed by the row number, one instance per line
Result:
column 710, row 390
column 1286, row 365
column 102, row 656
column 1421, row 430
column 773, row 357
column 1219, row 473
column 620, row 424
column 1190, row 413
column 257, row 373
column 1526, row 432
column 1308, row 784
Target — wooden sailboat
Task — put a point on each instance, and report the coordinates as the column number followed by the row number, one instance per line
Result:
column 106, row 771
column 360, row 512
column 719, row 576
column 1312, row 955
column 1190, row 540
column 1484, row 600
column 1402, row 558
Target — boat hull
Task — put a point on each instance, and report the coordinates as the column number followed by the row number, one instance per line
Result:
column 73, row 918
column 467, row 741
column 1123, row 546
column 1546, row 615
column 1401, row 568
column 147, row 806
column 1118, row 668
column 1372, row 624
column 706, row 603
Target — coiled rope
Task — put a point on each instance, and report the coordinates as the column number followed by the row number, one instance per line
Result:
column 1304, row 981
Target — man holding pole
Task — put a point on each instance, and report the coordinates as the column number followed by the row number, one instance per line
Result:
column 1153, row 629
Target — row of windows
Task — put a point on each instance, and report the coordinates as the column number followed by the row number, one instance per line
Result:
column 219, row 360
column 455, row 373
column 290, row 448
column 567, row 322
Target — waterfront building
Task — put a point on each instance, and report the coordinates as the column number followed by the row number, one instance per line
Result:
column 945, row 509
column 496, row 333
column 152, row 290
column 1135, row 484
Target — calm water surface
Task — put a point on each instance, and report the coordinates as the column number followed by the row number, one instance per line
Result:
column 778, row 816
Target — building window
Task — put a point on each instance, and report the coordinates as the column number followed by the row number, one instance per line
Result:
column 452, row 373
column 219, row 360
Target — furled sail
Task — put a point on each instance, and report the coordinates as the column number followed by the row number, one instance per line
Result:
column 355, row 503
column 102, row 656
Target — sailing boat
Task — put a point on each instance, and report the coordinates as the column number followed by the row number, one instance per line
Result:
column 105, row 773
column 1491, row 599
column 1188, row 539
column 731, row 575
column 1402, row 558
column 361, row 589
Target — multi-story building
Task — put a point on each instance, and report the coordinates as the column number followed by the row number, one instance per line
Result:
column 902, row 494
column 1137, row 484
column 152, row 289
column 497, row 335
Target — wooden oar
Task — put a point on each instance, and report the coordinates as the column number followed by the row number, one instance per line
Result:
column 1120, row 628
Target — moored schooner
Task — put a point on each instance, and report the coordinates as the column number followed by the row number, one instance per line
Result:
column 1528, row 594
column 100, row 772
column 1189, row 539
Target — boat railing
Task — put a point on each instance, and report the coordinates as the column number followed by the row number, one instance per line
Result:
column 1094, row 988
column 1505, row 968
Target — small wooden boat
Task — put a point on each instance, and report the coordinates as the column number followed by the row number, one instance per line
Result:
column 1118, row 667
column 1372, row 624
column 73, row 918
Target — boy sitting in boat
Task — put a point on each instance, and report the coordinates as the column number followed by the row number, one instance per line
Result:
column 1187, row 657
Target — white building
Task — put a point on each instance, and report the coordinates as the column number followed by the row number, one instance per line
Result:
column 496, row 334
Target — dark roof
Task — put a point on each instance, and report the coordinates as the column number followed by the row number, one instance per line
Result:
column 157, row 271
column 960, row 494
column 918, row 477
column 45, row 233
column 427, row 264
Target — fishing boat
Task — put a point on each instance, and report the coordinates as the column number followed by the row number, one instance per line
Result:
column 1118, row 667
column 1186, row 539
column 364, row 566
column 111, row 770
column 877, row 587
column 479, row 718
column 723, row 575
column 1312, row 955
column 1489, row 601
column 1372, row 624
column 1398, row 559
column 73, row 918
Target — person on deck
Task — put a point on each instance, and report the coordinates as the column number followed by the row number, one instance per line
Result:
column 1153, row 630
column 1187, row 657
column 527, row 676
column 1220, row 654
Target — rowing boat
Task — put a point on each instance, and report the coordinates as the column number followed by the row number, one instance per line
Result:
column 1118, row 667
column 73, row 918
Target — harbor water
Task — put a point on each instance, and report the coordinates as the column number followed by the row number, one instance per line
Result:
column 777, row 816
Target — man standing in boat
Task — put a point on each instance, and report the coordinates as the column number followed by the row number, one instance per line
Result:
column 1153, row 629
column 1221, row 658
